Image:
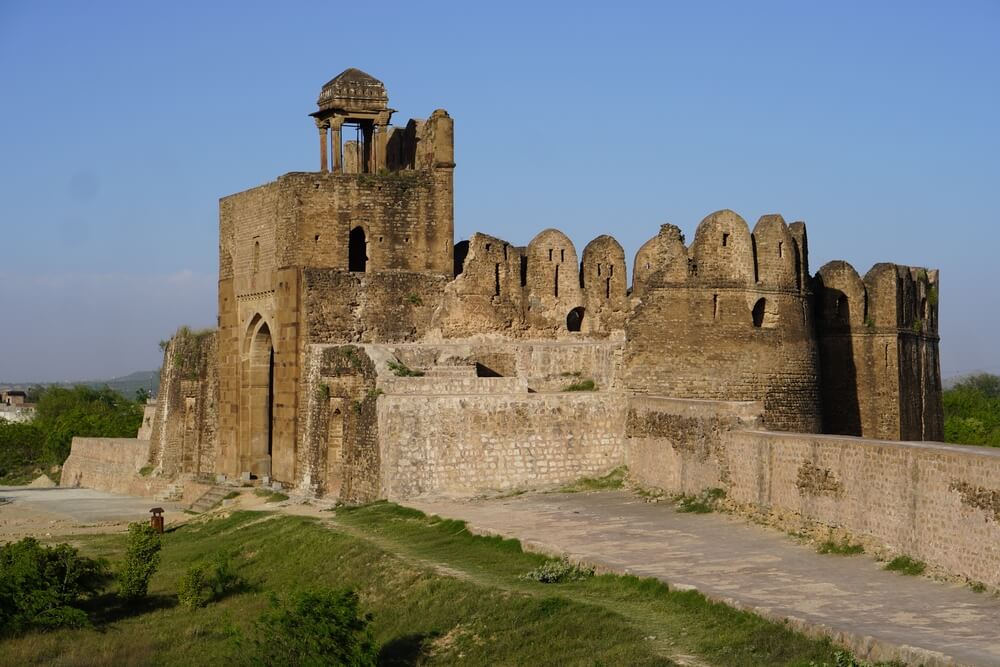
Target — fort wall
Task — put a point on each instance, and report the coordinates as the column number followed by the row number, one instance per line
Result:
column 935, row 502
column 475, row 444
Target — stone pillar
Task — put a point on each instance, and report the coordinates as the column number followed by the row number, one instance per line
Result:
column 321, row 126
column 381, row 138
column 337, row 159
column 367, row 149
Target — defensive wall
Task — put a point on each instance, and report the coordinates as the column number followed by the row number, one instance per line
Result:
column 935, row 502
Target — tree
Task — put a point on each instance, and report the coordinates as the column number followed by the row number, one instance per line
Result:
column 141, row 395
column 142, row 557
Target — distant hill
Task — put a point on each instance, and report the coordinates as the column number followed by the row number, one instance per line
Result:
column 126, row 385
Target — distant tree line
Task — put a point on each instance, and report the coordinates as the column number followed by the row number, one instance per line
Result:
column 972, row 411
column 60, row 414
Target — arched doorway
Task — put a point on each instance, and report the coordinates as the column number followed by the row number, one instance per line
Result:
column 260, row 401
column 357, row 251
column 574, row 321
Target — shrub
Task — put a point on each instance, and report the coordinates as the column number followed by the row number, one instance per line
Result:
column 142, row 556
column 906, row 565
column 315, row 627
column 557, row 572
column 207, row 581
column 582, row 385
column 402, row 370
column 703, row 503
column 42, row 587
column 842, row 548
column 271, row 496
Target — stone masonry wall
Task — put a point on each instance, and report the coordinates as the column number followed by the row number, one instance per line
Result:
column 184, row 428
column 109, row 464
column 471, row 445
column 935, row 502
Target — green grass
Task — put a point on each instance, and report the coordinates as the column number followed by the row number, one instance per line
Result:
column 271, row 496
column 842, row 548
column 581, row 385
column 906, row 565
column 145, row 470
column 438, row 595
column 613, row 480
column 703, row 503
column 231, row 495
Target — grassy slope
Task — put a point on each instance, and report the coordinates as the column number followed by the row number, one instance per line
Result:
column 435, row 591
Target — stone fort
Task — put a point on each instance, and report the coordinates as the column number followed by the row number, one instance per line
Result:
column 362, row 354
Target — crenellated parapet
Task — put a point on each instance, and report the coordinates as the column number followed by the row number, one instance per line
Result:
column 727, row 318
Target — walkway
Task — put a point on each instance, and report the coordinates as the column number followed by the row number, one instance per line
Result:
column 878, row 614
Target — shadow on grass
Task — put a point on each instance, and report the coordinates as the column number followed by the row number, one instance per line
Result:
column 405, row 651
column 109, row 608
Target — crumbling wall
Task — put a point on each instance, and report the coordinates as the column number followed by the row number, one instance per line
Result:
column 110, row 464
column 184, row 429
column 340, row 454
column 679, row 445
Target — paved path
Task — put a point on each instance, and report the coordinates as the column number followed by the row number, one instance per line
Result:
column 877, row 614
column 41, row 512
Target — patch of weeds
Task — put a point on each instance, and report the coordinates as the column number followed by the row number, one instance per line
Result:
column 870, row 322
column 581, row 385
column 231, row 495
column 918, row 325
column 932, row 296
column 906, row 565
column 374, row 393
column 842, row 548
column 613, row 480
column 207, row 581
column 323, row 391
column 402, row 370
column 145, row 470
column 414, row 299
column 977, row 586
column 703, row 503
column 557, row 572
column 270, row 496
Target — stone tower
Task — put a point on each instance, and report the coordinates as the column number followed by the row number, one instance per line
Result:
column 323, row 257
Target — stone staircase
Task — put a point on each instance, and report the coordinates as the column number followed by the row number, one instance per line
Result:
column 210, row 499
column 172, row 494
column 450, row 372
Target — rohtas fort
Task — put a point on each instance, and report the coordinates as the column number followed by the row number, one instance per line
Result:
column 362, row 354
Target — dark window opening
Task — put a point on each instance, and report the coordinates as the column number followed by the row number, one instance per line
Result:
column 781, row 247
column 611, row 270
column 607, row 288
column 574, row 321
column 598, row 269
column 256, row 256
column 753, row 246
column 758, row 313
column 840, row 309
column 557, row 282
column 496, row 279
column 725, row 239
column 550, row 254
column 562, row 255
column 461, row 251
column 357, row 251
column 715, row 306
column 316, row 238
column 270, row 404
column 524, row 270
column 488, row 246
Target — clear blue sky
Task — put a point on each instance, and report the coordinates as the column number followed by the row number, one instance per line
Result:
column 121, row 124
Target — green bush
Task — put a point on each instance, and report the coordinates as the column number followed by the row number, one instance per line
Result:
column 582, row 385
column 703, row 503
column 42, row 587
column 313, row 628
column 842, row 548
column 207, row 581
column 64, row 413
column 22, row 451
column 402, row 370
column 906, row 565
column 557, row 572
column 142, row 556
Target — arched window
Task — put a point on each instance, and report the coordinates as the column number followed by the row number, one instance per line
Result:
column 574, row 321
column 758, row 312
column 357, row 252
